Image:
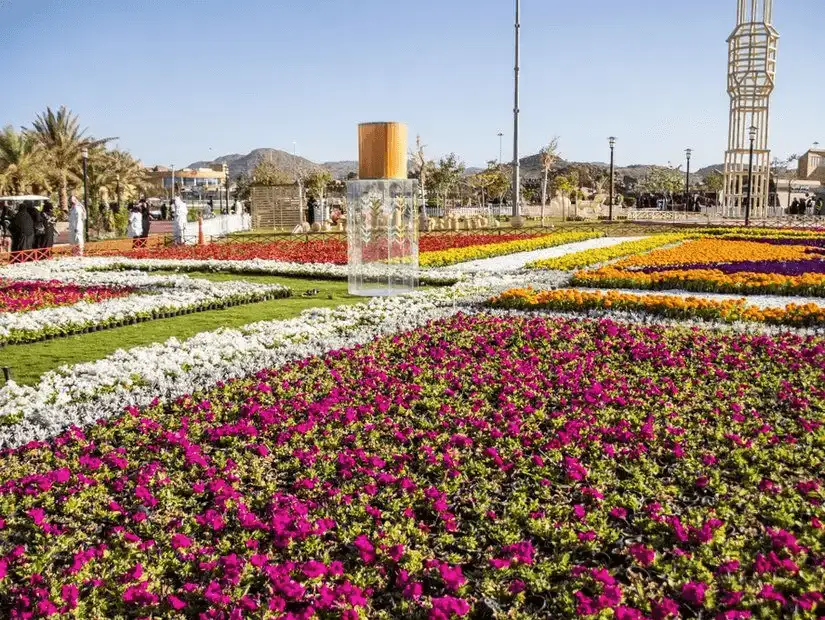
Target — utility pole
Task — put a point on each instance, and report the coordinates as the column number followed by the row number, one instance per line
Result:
column 612, row 141
column 752, row 130
column 688, row 153
column 516, row 220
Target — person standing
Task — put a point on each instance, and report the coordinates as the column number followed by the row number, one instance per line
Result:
column 46, row 240
column 22, row 230
column 146, row 220
column 180, row 214
column 134, row 228
column 39, row 226
column 77, row 225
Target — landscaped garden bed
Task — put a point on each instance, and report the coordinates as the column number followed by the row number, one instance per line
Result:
column 23, row 296
column 73, row 300
column 670, row 306
column 478, row 466
column 772, row 265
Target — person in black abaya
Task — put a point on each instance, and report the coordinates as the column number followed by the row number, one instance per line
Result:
column 45, row 239
column 22, row 229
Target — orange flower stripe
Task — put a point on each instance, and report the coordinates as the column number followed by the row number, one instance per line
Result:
column 714, row 251
column 799, row 315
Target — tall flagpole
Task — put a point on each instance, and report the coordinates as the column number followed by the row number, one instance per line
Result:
column 516, row 165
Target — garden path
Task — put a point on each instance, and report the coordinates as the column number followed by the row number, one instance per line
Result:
column 514, row 262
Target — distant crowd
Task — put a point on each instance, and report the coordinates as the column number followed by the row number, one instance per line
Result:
column 28, row 228
column 807, row 206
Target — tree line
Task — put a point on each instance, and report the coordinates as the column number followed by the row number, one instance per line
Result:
column 46, row 158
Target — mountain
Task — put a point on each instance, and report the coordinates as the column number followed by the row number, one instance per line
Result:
column 240, row 164
column 530, row 166
column 340, row 169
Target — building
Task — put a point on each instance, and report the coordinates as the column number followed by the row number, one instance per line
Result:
column 202, row 182
column 812, row 166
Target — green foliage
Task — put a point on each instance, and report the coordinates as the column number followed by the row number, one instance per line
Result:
column 662, row 180
column 446, row 176
column 317, row 182
column 21, row 163
column 267, row 173
column 714, row 182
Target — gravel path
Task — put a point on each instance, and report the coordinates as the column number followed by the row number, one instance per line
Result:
column 514, row 262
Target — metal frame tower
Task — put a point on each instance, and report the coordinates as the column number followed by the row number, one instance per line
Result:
column 752, row 51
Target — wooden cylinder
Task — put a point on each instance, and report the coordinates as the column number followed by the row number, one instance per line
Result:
column 382, row 151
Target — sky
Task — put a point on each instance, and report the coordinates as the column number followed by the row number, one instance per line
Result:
column 183, row 80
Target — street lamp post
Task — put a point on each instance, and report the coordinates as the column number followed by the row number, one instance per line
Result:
column 688, row 153
column 752, row 132
column 172, row 192
column 85, row 154
column 500, row 146
column 226, row 185
column 117, row 191
column 612, row 141
column 517, row 221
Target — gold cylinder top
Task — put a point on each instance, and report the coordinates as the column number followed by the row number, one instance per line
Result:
column 382, row 151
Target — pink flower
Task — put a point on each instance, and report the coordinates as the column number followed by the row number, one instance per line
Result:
column 693, row 592
column 516, row 586
column 452, row 576
column 365, row 549
column 180, row 541
column 664, row 609
column 176, row 603
column 617, row 512
column 642, row 554
column 313, row 569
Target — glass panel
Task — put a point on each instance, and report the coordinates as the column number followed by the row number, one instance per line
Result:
column 382, row 237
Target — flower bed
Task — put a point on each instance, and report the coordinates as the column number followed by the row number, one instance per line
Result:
column 478, row 466
column 719, row 265
column 579, row 260
column 332, row 250
column 147, row 298
column 476, row 252
column 22, row 296
column 671, row 306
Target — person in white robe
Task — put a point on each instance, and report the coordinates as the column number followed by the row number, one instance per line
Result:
column 180, row 214
column 77, row 225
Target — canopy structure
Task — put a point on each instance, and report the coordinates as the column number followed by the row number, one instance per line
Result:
column 31, row 198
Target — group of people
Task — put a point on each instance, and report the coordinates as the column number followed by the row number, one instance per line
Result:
column 29, row 227
column 807, row 206
column 139, row 223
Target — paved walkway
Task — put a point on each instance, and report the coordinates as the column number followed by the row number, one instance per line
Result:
column 514, row 262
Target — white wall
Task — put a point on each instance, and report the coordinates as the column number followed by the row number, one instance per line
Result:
column 218, row 226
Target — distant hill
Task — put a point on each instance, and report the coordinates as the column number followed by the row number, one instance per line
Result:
column 530, row 165
column 340, row 169
column 239, row 164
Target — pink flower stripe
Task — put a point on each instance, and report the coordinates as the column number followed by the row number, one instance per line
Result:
column 481, row 466
column 21, row 296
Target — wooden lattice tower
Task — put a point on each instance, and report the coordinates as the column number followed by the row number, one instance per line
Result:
column 751, row 76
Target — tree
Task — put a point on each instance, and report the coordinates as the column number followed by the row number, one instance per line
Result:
column 549, row 156
column 662, row 181
column 562, row 184
column 446, row 176
column 423, row 168
column 21, row 163
column 714, row 181
column 497, row 180
column 62, row 139
column 316, row 184
column 267, row 173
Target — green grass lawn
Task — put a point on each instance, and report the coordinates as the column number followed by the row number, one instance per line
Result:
column 29, row 361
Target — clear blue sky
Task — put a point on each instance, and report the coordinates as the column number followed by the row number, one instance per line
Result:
column 174, row 78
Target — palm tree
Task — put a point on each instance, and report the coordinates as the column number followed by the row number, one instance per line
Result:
column 63, row 141
column 21, row 163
